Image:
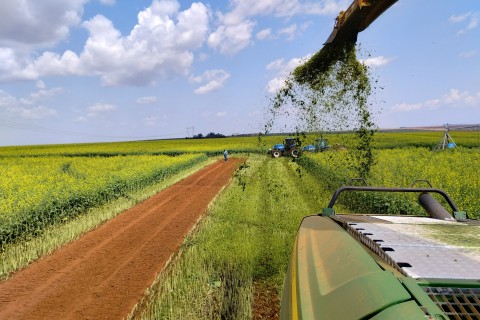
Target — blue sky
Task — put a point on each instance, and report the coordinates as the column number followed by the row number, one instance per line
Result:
column 113, row 70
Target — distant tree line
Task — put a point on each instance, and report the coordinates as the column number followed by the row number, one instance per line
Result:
column 209, row 135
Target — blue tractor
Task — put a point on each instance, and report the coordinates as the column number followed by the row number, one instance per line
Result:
column 287, row 148
column 320, row 145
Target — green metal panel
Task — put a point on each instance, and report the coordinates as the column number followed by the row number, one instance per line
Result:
column 406, row 311
column 331, row 276
column 422, row 299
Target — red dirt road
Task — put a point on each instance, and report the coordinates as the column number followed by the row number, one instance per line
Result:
column 105, row 273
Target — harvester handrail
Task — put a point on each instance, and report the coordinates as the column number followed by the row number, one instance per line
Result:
column 386, row 189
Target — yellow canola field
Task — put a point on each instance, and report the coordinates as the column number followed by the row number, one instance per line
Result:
column 36, row 191
column 454, row 171
column 174, row 146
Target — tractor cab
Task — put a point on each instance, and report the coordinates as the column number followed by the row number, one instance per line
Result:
column 289, row 143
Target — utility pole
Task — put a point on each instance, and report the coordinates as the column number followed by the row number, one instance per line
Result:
column 190, row 129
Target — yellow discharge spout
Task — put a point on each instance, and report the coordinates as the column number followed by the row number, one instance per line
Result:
column 359, row 15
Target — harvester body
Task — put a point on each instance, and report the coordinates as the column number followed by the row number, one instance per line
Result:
column 361, row 266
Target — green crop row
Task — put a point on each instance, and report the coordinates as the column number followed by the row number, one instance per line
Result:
column 153, row 147
column 243, row 244
column 454, row 171
column 251, row 144
column 37, row 192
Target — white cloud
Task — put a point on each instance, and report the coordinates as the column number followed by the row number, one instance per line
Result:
column 264, row 34
column 151, row 121
column 459, row 18
column 407, row 106
column 276, row 65
column 36, row 24
column 289, row 32
column 108, row 2
column 30, row 106
column 235, row 28
column 40, row 95
column 377, row 61
column 282, row 70
column 147, row 100
column 468, row 54
column 454, row 98
column 7, row 100
column 222, row 114
column 12, row 66
column 38, row 112
column 161, row 45
column 157, row 47
column 230, row 39
column 80, row 119
column 470, row 18
column 213, row 79
column 100, row 109
column 283, row 8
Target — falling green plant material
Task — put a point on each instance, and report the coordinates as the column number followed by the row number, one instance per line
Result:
column 330, row 93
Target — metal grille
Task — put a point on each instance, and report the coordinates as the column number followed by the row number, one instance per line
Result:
column 456, row 303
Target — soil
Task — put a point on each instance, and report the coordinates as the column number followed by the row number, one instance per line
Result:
column 266, row 304
column 105, row 273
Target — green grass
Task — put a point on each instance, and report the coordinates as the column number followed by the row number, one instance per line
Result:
column 246, row 237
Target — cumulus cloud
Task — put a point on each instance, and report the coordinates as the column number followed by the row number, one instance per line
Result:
column 213, row 79
column 282, row 69
column 160, row 45
column 377, row 61
column 235, row 28
column 454, row 98
column 32, row 105
column 34, row 24
column 232, row 38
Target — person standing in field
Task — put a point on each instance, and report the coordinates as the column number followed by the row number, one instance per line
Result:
column 225, row 155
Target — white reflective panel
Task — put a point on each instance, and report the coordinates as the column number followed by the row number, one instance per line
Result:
column 433, row 248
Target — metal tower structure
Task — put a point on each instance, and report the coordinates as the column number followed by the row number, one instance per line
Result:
column 446, row 142
column 192, row 130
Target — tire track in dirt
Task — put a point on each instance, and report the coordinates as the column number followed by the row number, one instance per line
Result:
column 105, row 273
